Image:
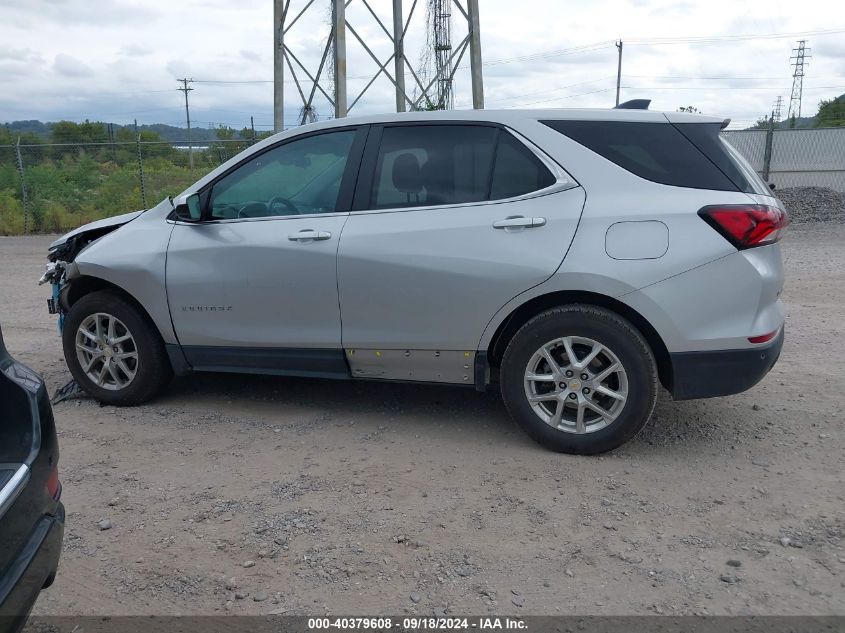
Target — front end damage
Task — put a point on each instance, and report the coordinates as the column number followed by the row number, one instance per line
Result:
column 61, row 256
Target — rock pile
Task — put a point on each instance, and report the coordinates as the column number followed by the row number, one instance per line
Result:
column 813, row 204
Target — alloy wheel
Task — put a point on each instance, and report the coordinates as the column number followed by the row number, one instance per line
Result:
column 106, row 351
column 576, row 384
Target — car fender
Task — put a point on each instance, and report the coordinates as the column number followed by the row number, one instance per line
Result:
column 134, row 259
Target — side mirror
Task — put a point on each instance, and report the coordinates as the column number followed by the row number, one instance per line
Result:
column 772, row 186
column 188, row 209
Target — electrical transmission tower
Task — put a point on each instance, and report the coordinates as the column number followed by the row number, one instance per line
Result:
column 800, row 54
column 310, row 81
column 776, row 113
column 441, row 17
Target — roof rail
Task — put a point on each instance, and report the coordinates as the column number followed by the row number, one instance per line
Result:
column 634, row 104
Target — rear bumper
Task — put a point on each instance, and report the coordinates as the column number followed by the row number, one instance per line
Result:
column 32, row 570
column 723, row 372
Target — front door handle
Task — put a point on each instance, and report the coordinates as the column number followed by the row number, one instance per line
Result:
column 519, row 222
column 309, row 235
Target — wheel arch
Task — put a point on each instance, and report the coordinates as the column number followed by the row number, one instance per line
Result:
column 84, row 285
column 523, row 313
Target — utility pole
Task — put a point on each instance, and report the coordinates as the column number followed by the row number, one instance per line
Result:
column 186, row 90
column 474, row 24
column 618, row 70
column 252, row 125
column 800, row 54
column 278, row 65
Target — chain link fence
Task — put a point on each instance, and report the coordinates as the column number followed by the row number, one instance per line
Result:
column 799, row 158
column 53, row 188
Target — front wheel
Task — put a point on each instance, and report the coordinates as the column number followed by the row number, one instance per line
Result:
column 579, row 379
column 113, row 351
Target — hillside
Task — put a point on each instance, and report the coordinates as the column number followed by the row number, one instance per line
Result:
column 166, row 132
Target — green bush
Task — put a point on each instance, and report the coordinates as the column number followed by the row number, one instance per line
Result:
column 11, row 213
column 68, row 186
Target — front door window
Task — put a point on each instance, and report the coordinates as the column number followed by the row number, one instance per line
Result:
column 297, row 178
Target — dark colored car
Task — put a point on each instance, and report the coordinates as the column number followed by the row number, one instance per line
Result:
column 31, row 516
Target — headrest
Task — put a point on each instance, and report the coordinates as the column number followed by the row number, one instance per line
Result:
column 406, row 173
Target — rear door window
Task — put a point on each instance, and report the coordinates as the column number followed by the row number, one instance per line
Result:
column 655, row 151
column 432, row 165
column 427, row 165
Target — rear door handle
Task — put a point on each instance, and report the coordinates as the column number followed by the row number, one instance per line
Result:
column 519, row 222
column 309, row 235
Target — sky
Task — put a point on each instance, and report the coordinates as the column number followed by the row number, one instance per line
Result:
column 119, row 60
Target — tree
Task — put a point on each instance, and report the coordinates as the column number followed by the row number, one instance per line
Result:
column 87, row 132
column 831, row 113
column 761, row 124
column 225, row 133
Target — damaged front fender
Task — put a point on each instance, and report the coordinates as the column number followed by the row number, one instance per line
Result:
column 110, row 264
column 67, row 247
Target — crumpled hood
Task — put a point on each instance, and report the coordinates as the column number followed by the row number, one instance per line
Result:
column 115, row 221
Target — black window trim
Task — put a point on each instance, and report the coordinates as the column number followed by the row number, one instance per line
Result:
column 347, row 183
column 367, row 171
column 548, row 123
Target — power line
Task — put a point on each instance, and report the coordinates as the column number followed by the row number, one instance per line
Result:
column 558, row 89
column 724, row 38
column 580, row 94
column 587, row 48
column 725, row 77
column 710, row 88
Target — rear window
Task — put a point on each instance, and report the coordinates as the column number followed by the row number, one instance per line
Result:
column 706, row 137
column 517, row 170
column 655, row 151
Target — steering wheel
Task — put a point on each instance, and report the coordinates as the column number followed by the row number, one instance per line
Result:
column 254, row 210
column 279, row 200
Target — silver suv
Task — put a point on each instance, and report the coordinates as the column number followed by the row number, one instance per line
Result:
column 575, row 258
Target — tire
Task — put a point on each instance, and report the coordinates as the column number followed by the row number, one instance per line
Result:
column 634, row 386
column 145, row 370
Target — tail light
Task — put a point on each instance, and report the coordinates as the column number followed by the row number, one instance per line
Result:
column 746, row 225
column 54, row 486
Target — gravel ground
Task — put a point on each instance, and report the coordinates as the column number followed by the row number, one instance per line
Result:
column 256, row 495
column 813, row 204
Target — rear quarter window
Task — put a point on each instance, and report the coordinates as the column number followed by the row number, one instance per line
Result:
column 658, row 152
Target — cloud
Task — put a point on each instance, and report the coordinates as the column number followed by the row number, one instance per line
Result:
column 130, row 52
column 24, row 55
column 135, row 50
column 71, row 67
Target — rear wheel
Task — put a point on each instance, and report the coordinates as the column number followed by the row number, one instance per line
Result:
column 113, row 351
column 579, row 379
